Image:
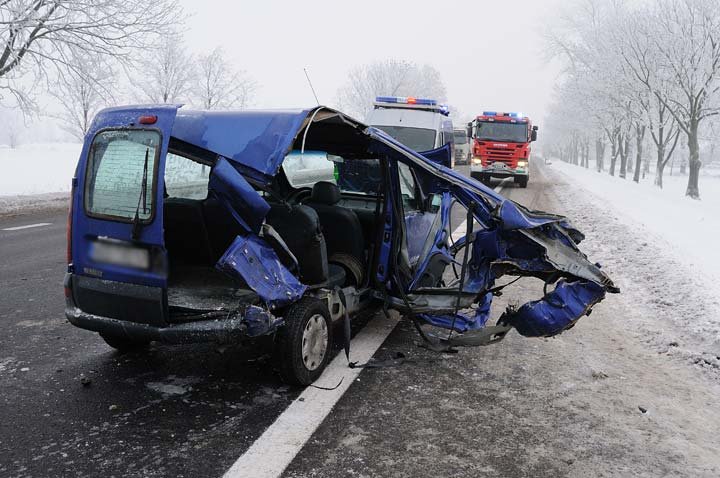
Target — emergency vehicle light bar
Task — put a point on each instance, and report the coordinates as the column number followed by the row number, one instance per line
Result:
column 408, row 100
column 495, row 113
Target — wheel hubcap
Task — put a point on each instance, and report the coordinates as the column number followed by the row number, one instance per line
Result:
column 314, row 342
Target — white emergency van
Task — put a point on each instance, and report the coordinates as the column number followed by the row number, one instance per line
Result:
column 419, row 123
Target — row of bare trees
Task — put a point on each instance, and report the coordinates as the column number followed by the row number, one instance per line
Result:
column 388, row 78
column 91, row 54
column 636, row 73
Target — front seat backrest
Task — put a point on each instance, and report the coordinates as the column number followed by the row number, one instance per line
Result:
column 299, row 227
column 341, row 227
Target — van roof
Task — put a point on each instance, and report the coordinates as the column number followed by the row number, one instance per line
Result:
column 256, row 140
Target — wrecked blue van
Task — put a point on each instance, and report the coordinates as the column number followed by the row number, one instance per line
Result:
column 204, row 226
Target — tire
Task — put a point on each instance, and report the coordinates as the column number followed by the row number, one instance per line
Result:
column 123, row 344
column 303, row 345
column 524, row 182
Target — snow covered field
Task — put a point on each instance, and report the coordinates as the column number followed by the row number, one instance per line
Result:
column 662, row 247
column 37, row 168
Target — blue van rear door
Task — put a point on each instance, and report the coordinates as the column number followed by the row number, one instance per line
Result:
column 118, row 204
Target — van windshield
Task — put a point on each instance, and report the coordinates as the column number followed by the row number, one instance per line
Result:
column 118, row 162
column 460, row 137
column 419, row 139
column 510, row 132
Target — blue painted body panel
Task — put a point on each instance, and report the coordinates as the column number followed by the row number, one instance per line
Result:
column 251, row 140
column 239, row 198
column 558, row 310
column 250, row 259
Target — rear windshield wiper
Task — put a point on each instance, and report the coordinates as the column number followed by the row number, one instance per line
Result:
column 141, row 200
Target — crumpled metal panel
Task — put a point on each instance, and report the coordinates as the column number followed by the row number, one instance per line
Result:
column 250, row 259
column 441, row 155
column 558, row 310
column 238, row 196
column 463, row 321
column 253, row 139
column 259, row 321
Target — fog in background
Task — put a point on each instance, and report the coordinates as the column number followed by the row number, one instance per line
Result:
column 489, row 54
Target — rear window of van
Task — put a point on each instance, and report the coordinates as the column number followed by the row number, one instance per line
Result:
column 121, row 172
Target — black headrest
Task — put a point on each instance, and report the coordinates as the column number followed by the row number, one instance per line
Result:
column 325, row 193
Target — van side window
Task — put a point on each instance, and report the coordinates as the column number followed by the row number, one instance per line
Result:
column 408, row 189
column 185, row 178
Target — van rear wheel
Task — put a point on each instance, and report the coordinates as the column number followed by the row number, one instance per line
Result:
column 304, row 343
column 123, row 344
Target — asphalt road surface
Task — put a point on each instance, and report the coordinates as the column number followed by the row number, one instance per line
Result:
column 568, row 406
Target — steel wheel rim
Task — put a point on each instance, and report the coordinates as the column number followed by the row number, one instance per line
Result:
column 314, row 342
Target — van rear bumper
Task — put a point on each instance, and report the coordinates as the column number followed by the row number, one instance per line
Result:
column 248, row 323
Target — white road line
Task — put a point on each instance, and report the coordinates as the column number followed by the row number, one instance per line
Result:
column 282, row 441
column 17, row 228
column 275, row 449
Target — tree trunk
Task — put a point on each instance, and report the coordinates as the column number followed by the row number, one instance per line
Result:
column 660, row 165
column 693, row 188
column 624, row 151
column 587, row 154
column 639, row 137
column 599, row 154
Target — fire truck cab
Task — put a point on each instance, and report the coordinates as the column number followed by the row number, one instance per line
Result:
column 501, row 146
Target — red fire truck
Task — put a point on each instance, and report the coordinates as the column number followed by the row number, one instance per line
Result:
column 501, row 146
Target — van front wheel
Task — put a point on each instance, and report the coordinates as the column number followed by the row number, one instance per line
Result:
column 123, row 344
column 304, row 343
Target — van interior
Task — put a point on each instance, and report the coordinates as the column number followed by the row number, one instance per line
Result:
column 323, row 230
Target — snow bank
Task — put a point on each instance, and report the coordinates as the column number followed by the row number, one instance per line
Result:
column 37, row 168
column 689, row 228
column 669, row 299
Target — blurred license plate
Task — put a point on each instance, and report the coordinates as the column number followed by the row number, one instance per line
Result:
column 499, row 165
column 120, row 255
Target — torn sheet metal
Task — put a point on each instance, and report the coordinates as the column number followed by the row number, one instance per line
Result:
column 250, row 259
column 238, row 196
column 463, row 321
column 258, row 140
column 259, row 321
column 558, row 310
column 441, row 155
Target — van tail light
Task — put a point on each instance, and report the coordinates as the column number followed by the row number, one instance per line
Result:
column 68, row 230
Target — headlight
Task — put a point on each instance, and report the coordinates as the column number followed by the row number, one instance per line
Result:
column 476, row 160
column 522, row 164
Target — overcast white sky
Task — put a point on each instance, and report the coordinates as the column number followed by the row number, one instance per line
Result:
column 488, row 52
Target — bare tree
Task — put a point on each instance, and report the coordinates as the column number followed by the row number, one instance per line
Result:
column 37, row 37
column 82, row 91
column 167, row 74
column 219, row 85
column 388, row 78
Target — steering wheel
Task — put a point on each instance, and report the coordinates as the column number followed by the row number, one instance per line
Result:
column 299, row 195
